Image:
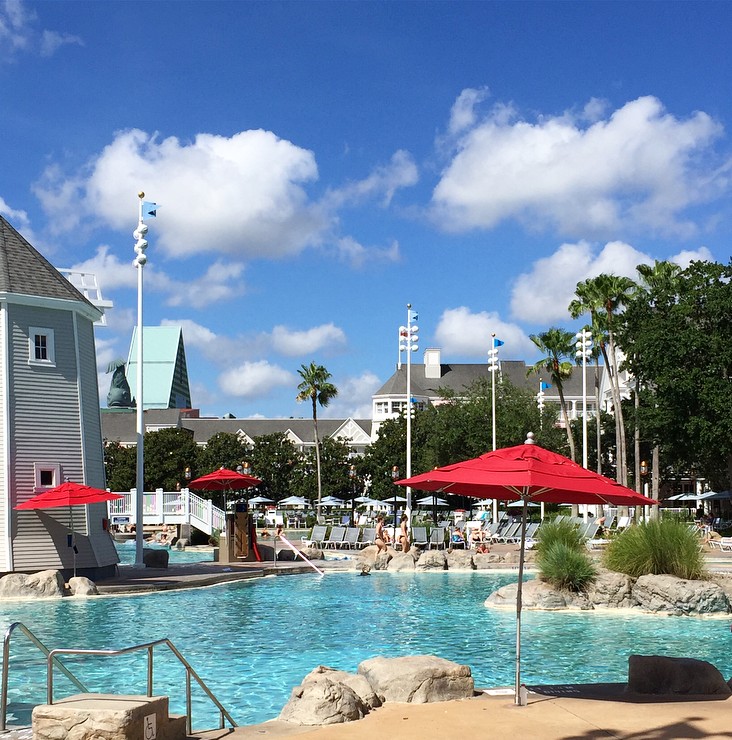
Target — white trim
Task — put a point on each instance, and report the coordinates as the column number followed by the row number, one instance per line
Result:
column 7, row 544
column 67, row 304
column 81, row 402
column 39, row 467
column 49, row 334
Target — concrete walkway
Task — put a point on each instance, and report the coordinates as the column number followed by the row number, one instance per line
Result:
column 604, row 712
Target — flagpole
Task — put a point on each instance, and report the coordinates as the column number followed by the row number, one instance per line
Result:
column 493, row 366
column 139, row 262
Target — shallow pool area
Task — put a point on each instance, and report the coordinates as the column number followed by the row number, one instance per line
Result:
column 254, row 640
column 126, row 552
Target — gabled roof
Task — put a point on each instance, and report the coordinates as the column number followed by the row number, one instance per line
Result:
column 24, row 271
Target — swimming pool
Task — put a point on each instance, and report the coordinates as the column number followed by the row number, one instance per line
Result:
column 253, row 641
column 126, row 552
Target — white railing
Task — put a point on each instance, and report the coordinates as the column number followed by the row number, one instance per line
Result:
column 168, row 507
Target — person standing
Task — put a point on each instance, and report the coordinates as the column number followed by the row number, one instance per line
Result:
column 404, row 536
column 382, row 536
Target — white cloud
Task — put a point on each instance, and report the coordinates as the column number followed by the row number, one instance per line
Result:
column 543, row 294
column 52, row 41
column 217, row 348
column 687, row 256
column 638, row 169
column 354, row 397
column 351, row 251
column 461, row 332
column 462, row 114
column 111, row 272
column 294, row 343
column 255, row 379
column 240, row 195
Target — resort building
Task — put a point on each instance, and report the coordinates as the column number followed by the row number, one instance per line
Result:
column 50, row 427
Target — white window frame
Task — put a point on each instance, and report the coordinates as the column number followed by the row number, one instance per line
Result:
column 40, row 467
column 33, row 332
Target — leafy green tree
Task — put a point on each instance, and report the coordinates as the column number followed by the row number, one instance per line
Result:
column 120, row 464
column 334, row 461
column 167, row 454
column 223, row 449
column 679, row 341
column 274, row 460
column 557, row 345
column 316, row 388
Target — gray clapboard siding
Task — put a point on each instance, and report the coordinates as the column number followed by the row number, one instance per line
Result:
column 4, row 533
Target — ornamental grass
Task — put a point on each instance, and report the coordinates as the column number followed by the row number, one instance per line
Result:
column 659, row 547
column 561, row 559
column 557, row 531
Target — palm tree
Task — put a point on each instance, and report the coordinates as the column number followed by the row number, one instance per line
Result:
column 608, row 293
column 316, row 388
column 557, row 345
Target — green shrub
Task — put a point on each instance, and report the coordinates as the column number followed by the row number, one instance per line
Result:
column 552, row 532
column 565, row 567
column 658, row 547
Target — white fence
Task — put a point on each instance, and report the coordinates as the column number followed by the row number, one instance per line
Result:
column 168, row 507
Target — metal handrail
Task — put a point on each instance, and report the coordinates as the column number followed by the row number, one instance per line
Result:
column 6, row 661
column 223, row 714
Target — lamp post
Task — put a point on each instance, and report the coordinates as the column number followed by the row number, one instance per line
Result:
column 139, row 262
column 408, row 342
column 644, row 473
column 395, row 477
column 493, row 367
column 584, row 347
column 352, row 476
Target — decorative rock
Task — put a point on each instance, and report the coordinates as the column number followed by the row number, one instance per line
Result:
column 514, row 557
column 402, row 561
column 611, row 589
column 80, row 586
column 359, row 684
column 678, row 596
column 483, row 560
column 460, row 560
column 323, row 702
column 155, row 558
column 47, row 584
column 181, row 544
column 381, row 562
column 313, row 553
column 418, row 679
column 655, row 674
column 432, row 560
column 534, row 595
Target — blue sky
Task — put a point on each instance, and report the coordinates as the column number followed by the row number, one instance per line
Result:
column 322, row 164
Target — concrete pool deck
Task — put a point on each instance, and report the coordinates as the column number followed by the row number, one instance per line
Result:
column 595, row 711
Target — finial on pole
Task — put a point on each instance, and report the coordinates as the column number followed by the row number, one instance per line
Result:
column 140, row 195
column 530, row 439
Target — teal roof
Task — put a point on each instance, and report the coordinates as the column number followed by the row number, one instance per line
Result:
column 165, row 377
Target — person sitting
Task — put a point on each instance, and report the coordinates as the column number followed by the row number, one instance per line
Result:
column 483, row 548
column 457, row 537
column 265, row 534
column 476, row 537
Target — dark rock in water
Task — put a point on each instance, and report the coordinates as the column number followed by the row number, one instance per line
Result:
column 657, row 674
column 155, row 558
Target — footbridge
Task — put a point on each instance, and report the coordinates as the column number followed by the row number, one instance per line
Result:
column 167, row 507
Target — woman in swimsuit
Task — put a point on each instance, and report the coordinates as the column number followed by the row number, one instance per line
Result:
column 404, row 536
column 382, row 536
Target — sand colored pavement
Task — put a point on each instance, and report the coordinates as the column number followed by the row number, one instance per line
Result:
column 544, row 718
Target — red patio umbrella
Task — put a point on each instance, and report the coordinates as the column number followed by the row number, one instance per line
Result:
column 68, row 494
column 525, row 473
column 224, row 480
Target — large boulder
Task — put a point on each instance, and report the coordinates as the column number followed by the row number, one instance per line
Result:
column 381, row 561
column 535, row 594
column 359, row 684
column 656, row 674
column 611, row 589
column 679, row 596
column 486, row 560
column 46, row 584
column 402, row 561
column 417, row 679
column 155, row 558
column 313, row 553
column 80, row 586
column 323, row 702
column 432, row 560
column 460, row 560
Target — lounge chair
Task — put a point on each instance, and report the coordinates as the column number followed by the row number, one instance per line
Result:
column 437, row 538
column 351, row 538
column 419, row 536
column 317, row 536
column 624, row 522
column 367, row 536
column 336, row 537
column 508, row 533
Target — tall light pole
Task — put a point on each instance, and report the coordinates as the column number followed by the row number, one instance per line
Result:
column 493, row 367
column 584, row 348
column 408, row 342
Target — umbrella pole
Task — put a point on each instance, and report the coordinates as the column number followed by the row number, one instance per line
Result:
column 73, row 537
column 517, row 691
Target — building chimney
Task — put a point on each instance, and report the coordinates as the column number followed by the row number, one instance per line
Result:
column 432, row 366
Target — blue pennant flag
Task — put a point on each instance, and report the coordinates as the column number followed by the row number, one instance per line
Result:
column 544, row 385
column 497, row 343
column 413, row 316
column 149, row 210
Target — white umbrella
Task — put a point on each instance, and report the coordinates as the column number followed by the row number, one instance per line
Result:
column 259, row 500
column 293, row 501
column 332, row 501
column 432, row 501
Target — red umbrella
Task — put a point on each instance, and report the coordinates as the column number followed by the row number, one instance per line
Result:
column 527, row 473
column 224, row 480
column 68, row 494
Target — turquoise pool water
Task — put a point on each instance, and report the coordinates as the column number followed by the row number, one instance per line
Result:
column 127, row 554
column 253, row 641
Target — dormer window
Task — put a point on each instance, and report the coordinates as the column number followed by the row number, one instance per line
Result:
column 41, row 347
